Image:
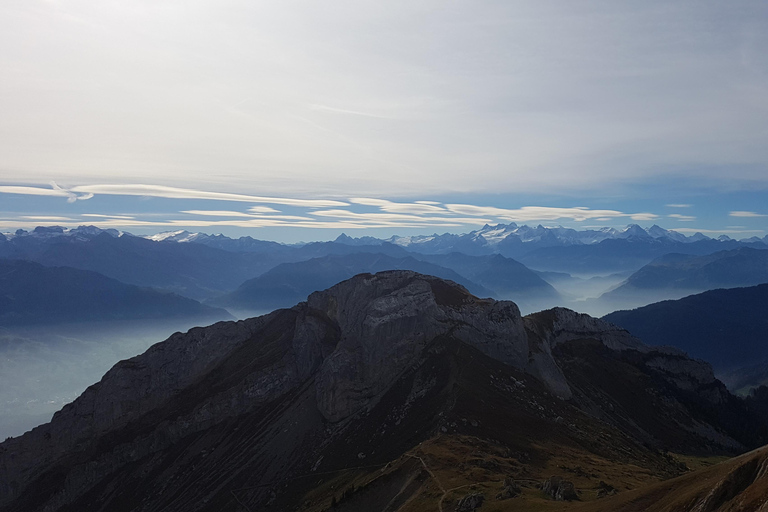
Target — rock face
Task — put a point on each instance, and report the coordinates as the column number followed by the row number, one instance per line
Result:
column 470, row 502
column 559, row 489
column 286, row 393
column 386, row 320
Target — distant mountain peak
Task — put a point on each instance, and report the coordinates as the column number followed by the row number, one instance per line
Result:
column 173, row 236
column 52, row 232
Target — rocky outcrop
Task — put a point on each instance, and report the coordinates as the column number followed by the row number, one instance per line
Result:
column 559, row 489
column 470, row 502
column 685, row 373
column 386, row 320
column 509, row 489
column 559, row 325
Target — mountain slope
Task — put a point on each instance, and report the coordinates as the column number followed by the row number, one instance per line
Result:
column 725, row 327
column 290, row 283
column 392, row 392
column 191, row 270
column 673, row 276
column 736, row 485
column 507, row 278
column 31, row 294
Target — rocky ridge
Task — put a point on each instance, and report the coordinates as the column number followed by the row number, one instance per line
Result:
column 297, row 378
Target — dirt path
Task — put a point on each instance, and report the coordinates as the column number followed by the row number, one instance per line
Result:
column 434, row 477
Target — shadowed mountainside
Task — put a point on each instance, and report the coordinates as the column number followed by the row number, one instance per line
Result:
column 32, row 294
column 727, row 328
column 290, row 283
column 676, row 275
column 394, row 391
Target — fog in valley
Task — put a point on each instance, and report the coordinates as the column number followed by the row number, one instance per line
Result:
column 44, row 368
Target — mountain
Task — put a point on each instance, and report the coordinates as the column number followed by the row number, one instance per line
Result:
column 505, row 277
column 676, row 275
column 739, row 484
column 191, row 270
column 394, row 391
column 290, row 283
column 724, row 327
column 559, row 249
column 545, row 248
column 242, row 244
column 31, row 294
column 202, row 266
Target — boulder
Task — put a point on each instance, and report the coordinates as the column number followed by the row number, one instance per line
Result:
column 470, row 502
column 559, row 489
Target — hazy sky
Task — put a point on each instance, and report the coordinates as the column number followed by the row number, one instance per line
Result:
column 149, row 115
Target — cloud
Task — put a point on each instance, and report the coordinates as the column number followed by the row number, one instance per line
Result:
column 418, row 207
column 106, row 216
column 746, row 214
column 682, row 218
column 71, row 197
column 676, row 205
column 186, row 193
column 216, row 213
column 262, row 209
column 83, row 192
column 223, row 213
column 47, row 218
column 399, row 217
column 643, row 216
column 55, row 191
column 638, row 105
column 255, row 222
column 355, row 212
column 534, row 213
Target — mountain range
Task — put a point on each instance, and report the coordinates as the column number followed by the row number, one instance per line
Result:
column 32, row 294
column 673, row 276
column 191, row 270
column 395, row 391
column 728, row 327
column 289, row 283
column 486, row 276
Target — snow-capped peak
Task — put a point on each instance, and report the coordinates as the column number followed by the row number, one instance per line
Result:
column 173, row 236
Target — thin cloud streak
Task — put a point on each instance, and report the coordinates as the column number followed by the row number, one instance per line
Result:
column 90, row 191
column 746, row 214
column 33, row 191
column 305, row 212
column 682, row 218
column 346, row 214
column 417, row 207
column 47, row 218
column 532, row 213
column 104, row 216
column 251, row 223
column 186, row 193
column 215, row 213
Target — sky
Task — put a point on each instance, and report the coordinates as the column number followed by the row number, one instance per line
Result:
column 300, row 120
